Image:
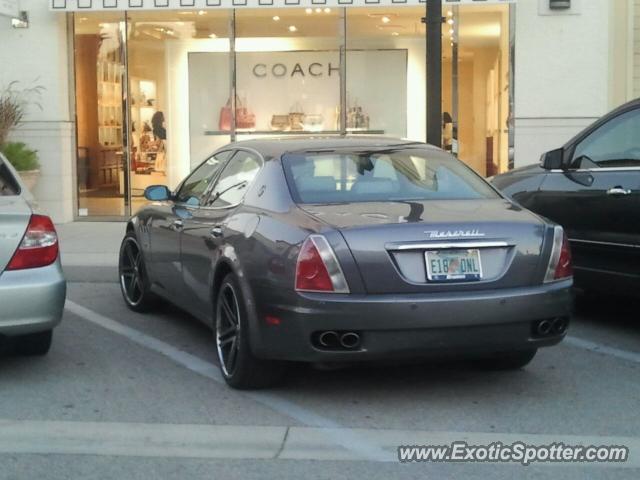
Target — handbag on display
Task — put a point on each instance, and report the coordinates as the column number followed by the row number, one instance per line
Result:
column 313, row 122
column 224, row 124
column 244, row 117
column 296, row 118
column 280, row 122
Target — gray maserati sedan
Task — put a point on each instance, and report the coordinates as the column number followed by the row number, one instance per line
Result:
column 339, row 250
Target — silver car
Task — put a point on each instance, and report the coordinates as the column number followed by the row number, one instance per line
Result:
column 32, row 285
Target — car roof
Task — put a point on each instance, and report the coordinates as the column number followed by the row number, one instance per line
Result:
column 278, row 146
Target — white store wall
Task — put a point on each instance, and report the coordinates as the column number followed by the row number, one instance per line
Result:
column 38, row 55
column 561, row 74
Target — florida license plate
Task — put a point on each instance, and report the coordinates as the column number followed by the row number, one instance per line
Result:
column 453, row 265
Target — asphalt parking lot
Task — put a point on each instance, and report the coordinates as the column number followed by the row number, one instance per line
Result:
column 123, row 395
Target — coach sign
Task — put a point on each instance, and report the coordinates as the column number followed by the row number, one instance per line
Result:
column 9, row 8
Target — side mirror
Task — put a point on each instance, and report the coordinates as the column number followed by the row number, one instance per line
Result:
column 157, row 193
column 552, row 160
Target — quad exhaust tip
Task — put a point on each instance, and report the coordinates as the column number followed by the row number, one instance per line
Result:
column 332, row 340
column 329, row 339
column 554, row 326
column 350, row 340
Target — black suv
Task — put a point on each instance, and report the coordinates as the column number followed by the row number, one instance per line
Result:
column 591, row 186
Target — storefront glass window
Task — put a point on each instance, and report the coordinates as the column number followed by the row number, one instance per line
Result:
column 179, row 77
column 100, row 107
column 157, row 92
column 287, row 71
column 482, row 85
column 386, row 71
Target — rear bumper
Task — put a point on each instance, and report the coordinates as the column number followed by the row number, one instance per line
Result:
column 31, row 300
column 412, row 325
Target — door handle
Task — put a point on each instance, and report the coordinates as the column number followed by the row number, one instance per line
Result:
column 217, row 232
column 618, row 191
column 177, row 225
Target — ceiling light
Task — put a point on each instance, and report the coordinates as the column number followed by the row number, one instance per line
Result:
column 395, row 34
column 318, row 10
column 451, row 31
column 385, row 19
column 293, row 28
column 213, row 35
column 308, row 11
column 327, row 10
column 450, row 13
column 201, row 12
column 276, row 18
column 450, row 21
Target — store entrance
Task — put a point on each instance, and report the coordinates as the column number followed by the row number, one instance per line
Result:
column 156, row 90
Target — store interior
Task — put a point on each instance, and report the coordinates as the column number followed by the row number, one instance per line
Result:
column 287, row 82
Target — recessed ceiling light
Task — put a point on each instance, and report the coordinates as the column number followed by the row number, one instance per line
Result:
column 318, row 10
column 450, row 21
column 395, row 34
column 276, row 18
column 213, row 35
column 327, row 10
column 385, row 19
column 308, row 11
column 201, row 12
column 451, row 31
column 450, row 13
column 293, row 28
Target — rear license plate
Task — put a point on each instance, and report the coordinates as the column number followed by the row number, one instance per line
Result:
column 453, row 265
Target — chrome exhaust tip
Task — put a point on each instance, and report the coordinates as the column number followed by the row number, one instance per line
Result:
column 544, row 327
column 328, row 339
column 350, row 340
column 559, row 325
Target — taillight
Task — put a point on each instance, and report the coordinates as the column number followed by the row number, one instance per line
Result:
column 39, row 246
column 318, row 269
column 560, row 262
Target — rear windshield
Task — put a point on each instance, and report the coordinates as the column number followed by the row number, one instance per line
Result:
column 8, row 185
column 390, row 175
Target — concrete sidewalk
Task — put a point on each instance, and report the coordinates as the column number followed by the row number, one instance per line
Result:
column 89, row 250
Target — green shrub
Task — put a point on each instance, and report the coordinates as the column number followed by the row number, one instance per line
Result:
column 21, row 157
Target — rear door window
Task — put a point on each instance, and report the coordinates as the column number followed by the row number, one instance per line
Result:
column 8, row 185
column 235, row 179
column 395, row 175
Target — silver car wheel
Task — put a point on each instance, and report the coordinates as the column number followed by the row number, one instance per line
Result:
column 131, row 272
column 228, row 329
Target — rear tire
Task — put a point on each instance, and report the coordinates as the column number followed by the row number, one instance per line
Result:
column 34, row 344
column 509, row 360
column 132, row 273
column 239, row 367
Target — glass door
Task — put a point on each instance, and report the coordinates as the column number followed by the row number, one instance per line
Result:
column 100, row 77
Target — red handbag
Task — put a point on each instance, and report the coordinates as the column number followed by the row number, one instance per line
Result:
column 224, row 124
column 244, row 117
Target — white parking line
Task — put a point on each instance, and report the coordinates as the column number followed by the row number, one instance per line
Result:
column 346, row 438
column 604, row 349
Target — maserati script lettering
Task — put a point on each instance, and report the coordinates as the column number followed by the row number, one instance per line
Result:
column 453, row 233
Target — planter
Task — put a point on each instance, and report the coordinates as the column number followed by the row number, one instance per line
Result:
column 30, row 178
